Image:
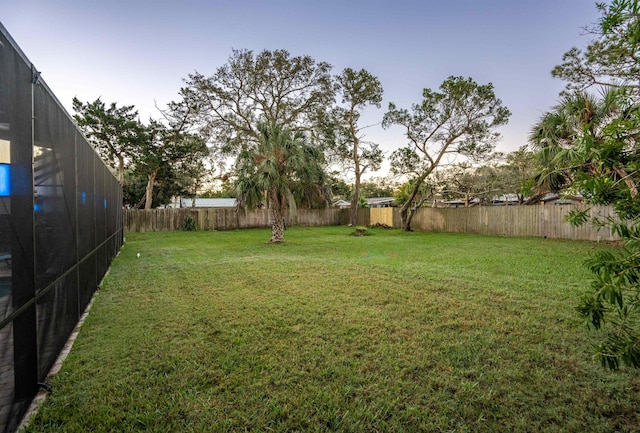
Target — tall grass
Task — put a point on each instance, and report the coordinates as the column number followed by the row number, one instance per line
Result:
column 217, row 331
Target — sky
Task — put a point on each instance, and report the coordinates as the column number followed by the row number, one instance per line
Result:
column 138, row 52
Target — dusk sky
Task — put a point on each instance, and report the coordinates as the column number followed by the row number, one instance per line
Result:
column 138, row 52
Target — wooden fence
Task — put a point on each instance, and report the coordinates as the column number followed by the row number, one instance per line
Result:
column 224, row 219
column 537, row 221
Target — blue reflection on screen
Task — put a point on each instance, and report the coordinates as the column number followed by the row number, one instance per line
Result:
column 84, row 197
column 5, row 180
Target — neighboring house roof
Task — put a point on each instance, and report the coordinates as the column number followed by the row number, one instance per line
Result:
column 455, row 202
column 341, row 203
column 550, row 196
column 372, row 202
column 503, row 199
column 460, row 202
column 562, row 199
column 380, row 201
column 209, row 202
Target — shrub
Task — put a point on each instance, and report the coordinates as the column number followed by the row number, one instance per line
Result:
column 189, row 224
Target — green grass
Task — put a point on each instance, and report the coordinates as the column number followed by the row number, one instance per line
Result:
column 402, row 332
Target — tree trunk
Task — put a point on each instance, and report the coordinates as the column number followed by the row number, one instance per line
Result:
column 277, row 219
column 406, row 214
column 149, row 194
column 405, row 218
column 355, row 200
column 195, row 196
column 121, row 169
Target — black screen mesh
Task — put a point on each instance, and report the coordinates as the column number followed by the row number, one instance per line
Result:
column 86, row 210
column 54, row 179
column 60, row 227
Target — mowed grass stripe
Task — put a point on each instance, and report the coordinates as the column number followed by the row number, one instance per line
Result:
column 217, row 331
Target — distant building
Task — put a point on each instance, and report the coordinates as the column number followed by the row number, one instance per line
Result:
column 342, row 204
column 220, row 203
column 505, row 200
column 459, row 202
column 557, row 199
column 380, row 202
column 375, row 202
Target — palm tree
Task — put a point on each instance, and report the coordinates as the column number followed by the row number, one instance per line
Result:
column 571, row 139
column 279, row 164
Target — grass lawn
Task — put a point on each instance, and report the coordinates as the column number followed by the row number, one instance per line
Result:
column 402, row 332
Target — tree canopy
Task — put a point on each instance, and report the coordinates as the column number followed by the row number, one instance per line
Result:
column 613, row 56
column 115, row 132
column 158, row 150
column 271, row 88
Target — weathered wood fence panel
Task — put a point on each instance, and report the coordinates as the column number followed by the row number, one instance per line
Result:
column 224, row 219
column 363, row 217
column 538, row 221
column 320, row 217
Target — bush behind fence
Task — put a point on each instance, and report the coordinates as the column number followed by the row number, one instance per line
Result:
column 537, row 221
